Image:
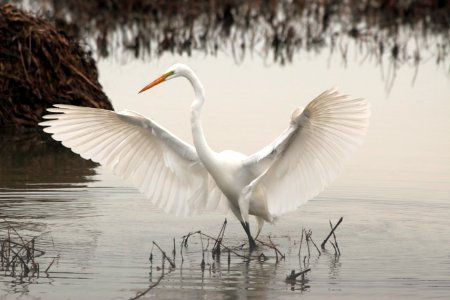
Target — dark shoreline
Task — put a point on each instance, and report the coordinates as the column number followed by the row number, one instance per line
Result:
column 41, row 66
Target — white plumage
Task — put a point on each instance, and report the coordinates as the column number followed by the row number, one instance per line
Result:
column 183, row 180
column 163, row 167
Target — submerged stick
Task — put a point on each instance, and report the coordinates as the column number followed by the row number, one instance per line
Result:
column 262, row 257
column 49, row 266
column 23, row 264
column 15, row 231
column 139, row 295
column 301, row 241
column 186, row 237
column 335, row 250
column 272, row 246
column 165, row 256
column 174, row 251
column 202, row 265
column 310, row 237
column 216, row 248
column 336, row 246
column 181, row 251
column 293, row 276
column 307, row 242
column 221, row 244
column 151, row 255
column 332, row 231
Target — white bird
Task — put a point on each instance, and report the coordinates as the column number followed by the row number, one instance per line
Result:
column 183, row 179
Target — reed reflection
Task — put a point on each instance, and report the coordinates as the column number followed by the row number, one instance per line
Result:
column 406, row 32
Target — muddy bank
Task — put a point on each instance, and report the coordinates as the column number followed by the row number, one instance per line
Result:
column 40, row 66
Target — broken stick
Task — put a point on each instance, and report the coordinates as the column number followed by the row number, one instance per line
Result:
column 331, row 233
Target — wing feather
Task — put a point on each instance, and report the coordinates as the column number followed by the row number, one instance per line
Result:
column 309, row 154
column 164, row 168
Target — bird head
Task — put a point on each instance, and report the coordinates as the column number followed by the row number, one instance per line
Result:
column 172, row 72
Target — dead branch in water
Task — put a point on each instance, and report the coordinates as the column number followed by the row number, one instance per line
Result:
column 331, row 233
column 202, row 264
column 49, row 266
column 272, row 246
column 151, row 255
column 262, row 257
column 216, row 248
column 174, row 250
column 335, row 244
column 301, row 241
column 309, row 237
column 172, row 264
column 139, row 295
column 185, row 238
column 293, row 276
column 334, row 247
column 18, row 253
column 307, row 242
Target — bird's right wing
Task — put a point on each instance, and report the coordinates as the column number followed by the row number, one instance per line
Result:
column 163, row 167
column 309, row 154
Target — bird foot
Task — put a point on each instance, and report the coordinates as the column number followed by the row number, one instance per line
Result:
column 252, row 245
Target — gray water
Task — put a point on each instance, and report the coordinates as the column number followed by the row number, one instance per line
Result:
column 394, row 194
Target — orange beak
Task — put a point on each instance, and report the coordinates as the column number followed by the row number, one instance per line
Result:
column 160, row 79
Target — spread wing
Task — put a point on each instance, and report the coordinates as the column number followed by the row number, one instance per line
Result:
column 163, row 167
column 309, row 154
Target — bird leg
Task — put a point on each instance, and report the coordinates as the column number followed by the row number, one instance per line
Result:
column 251, row 241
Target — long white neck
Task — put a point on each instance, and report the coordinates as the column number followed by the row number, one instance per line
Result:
column 206, row 155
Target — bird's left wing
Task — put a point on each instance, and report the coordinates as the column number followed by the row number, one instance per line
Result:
column 163, row 167
column 309, row 154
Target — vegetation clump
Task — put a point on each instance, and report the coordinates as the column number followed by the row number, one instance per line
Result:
column 41, row 66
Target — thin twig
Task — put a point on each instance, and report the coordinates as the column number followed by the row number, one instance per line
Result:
column 307, row 242
column 216, row 248
column 332, row 231
column 310, row 237
column 293, row 276
column 139, row 295
column 174, row 249
column 181, row 251
column 301, row 241
column 23, row 263
column 51, row 263
column 335, row 250
column 165, row 256
column 262, row 257
column 272, row 246
column 335, row 241
column 221, row 244
column 13, row 229
column 151, row 255
column 202, row 264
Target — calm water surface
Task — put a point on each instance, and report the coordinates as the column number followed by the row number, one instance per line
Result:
column 394, row 194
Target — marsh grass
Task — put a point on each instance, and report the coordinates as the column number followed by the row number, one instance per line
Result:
column 296, row 280
column 19, row 256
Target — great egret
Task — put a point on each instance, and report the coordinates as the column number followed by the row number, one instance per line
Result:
column 182, row 179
